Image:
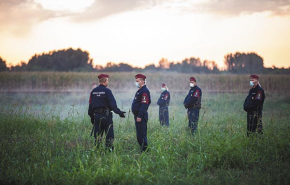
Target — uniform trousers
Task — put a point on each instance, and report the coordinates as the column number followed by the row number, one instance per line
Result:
column 164, row 116
column 141, row 132
column 254, row 122
column 104, row 124
column 193, row 115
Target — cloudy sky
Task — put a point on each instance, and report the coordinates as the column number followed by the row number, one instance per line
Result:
column 141, row 32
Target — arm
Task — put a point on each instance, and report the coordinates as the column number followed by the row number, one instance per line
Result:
column 162, row 102
column 194, row 98
column 184, row 102
column 90, row 111
column 144, row 105
column 113, row 105
column 255, row 103
column 112, row 102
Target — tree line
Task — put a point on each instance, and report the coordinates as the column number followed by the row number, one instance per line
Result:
column 80, row 61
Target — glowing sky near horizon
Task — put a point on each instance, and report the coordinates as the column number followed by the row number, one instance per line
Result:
column 141, row 32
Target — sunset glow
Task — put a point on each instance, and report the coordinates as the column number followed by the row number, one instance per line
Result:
column 140, row 33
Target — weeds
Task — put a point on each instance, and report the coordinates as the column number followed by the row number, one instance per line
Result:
column 45, row 142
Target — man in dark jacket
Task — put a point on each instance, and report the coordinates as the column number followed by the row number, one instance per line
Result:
column 101, row 103
column 253, row 105
column 163, row 103
column 139, row 108
column 192, row 103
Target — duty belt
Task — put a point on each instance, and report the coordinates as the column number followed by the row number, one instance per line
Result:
column 103, row 110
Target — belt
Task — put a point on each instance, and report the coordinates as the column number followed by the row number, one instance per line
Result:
column 101, row 111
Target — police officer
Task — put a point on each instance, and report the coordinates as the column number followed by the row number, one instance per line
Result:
column 139, row 108
column 253, row 105
column 101, row 103
column 192, row 103
column 163, row 103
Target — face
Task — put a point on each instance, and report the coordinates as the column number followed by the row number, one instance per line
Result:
column 139, row 81
column 107, row 82
column 254, row 80
column 193, row 82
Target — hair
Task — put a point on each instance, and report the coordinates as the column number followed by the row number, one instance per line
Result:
column 102, row 80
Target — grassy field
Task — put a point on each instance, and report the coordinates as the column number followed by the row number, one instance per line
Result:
column 45, row 139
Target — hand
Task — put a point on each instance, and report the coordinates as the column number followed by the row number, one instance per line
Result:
column 122, row 114
column 92, row 120
column 138, row 119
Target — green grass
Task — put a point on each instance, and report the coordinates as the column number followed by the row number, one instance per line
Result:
column 45, row 139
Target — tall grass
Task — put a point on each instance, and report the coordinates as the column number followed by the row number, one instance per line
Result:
column 45, row 142
column 73, row 81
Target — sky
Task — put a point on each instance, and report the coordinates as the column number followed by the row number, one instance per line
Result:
column 141, row 32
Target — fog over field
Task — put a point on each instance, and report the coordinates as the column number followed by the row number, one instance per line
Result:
column 45, row 132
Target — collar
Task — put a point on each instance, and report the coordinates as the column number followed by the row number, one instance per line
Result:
column 193, row 87
column 142, row 87
column 257, row 86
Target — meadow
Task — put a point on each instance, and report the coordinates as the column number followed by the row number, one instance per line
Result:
column 45, row 133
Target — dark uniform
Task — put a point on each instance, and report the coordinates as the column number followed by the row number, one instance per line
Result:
column 163, row 103
column 139, row 108
column 192, row 103
column 101, row 103
column 253, row 105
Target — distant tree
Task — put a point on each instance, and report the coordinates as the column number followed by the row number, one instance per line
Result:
column 194, row 65
column 125, row 67
column 276, row 70
column 244, row 63
column 164, row 64
column 112, row 67
column 62, row 60
column 3, row 66
column 99, row 68
column 191, row 65
column 150, row 67
column 22, row 66
column 210, row 67
column 175, row 67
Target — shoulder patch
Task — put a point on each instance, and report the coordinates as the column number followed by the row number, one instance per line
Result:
column 196, row 94
column 145, row 98
column 259, row 95
column 166, row 96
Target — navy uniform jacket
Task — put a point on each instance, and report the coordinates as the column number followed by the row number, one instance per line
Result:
column 141, row 102
column 102, row 97
column 255, row 99
column 164, row 99
column 193, row 98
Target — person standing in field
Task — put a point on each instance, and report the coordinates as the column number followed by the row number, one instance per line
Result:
column 139, row 108
column 101, row 103
column 253, row 105
column 163, row 103
column 192, row 103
